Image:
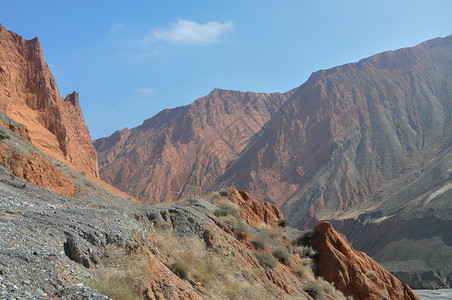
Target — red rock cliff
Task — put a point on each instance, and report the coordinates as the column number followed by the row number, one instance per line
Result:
column 253, row 211
column 353, row 272
column 30, row 96
column 182, row 151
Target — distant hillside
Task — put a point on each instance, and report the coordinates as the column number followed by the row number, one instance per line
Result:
column 183, row 151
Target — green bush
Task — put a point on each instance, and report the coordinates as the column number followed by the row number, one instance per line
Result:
column 282, row 254
column 305, row 238
column 266, row 259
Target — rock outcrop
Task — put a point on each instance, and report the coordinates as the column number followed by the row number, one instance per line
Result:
column 29, row 95
column 353, row 272
column 183, row 151
column 254, row 212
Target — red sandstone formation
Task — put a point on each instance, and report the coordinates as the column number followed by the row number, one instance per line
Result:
column 353, row 272
column 182, row 151
column 254, row 212
column 36, row 169
column 29, row 95
column 355, row 134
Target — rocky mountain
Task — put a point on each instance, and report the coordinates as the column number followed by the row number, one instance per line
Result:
column 353, row 135
column 63, row 236
column 365, row 145
column 183, row 151
column 29, row 95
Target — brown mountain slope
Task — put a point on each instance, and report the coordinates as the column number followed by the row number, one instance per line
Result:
column 183, row 150
column 353, row 136
column 367, row 145
column 30, row 96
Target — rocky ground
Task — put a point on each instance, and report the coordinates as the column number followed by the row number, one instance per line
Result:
column 38, row 233
column 53, row 246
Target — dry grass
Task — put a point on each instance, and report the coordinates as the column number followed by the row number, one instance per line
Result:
column 122, row 277
column 321, row 289
column 282, row 254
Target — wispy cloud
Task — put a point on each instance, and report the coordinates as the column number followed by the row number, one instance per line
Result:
column 148, row 90
column 189, row 32
column 117, row 27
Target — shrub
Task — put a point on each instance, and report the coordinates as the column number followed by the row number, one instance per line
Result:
column 222, row 212
column 224, row 192
column 314, row 289
column 266, row 259
column 4, row 135
column 305, row 238
column 278, row 234
column 236, row 223
column 282, row 222
column 261, row 240
column 308, row 252
column 282, row 254
column 320, row 289
column 180, row 270
column 303, row 271
column 122, row 277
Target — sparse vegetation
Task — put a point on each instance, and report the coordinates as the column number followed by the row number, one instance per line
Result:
column 282, row 222
column 319, row 289
column 282, row 254
column 216, row 268
column 122, row 277
column 266, row 259
column 261, row 240
column 4, row 135
column 222, row 212
column 303, row 271
column 306, row 251
column 224, row 192
column 305, row 238
column 179, row 269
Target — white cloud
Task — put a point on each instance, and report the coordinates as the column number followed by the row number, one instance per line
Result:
column 147, row 90
column 189, row 32
column 117, row 27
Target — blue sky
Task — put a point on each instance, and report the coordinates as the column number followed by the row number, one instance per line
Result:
column 130, row 59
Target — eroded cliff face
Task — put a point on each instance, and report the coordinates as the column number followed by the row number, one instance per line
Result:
column 30, row 96
column 354, row 135
column 183, row 151
column 353, row 272
column 254, row 212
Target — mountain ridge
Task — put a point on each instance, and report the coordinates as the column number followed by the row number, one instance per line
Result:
column 362, row 145
column 206, row 135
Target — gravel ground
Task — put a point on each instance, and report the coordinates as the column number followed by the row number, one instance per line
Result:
column 50, row 244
